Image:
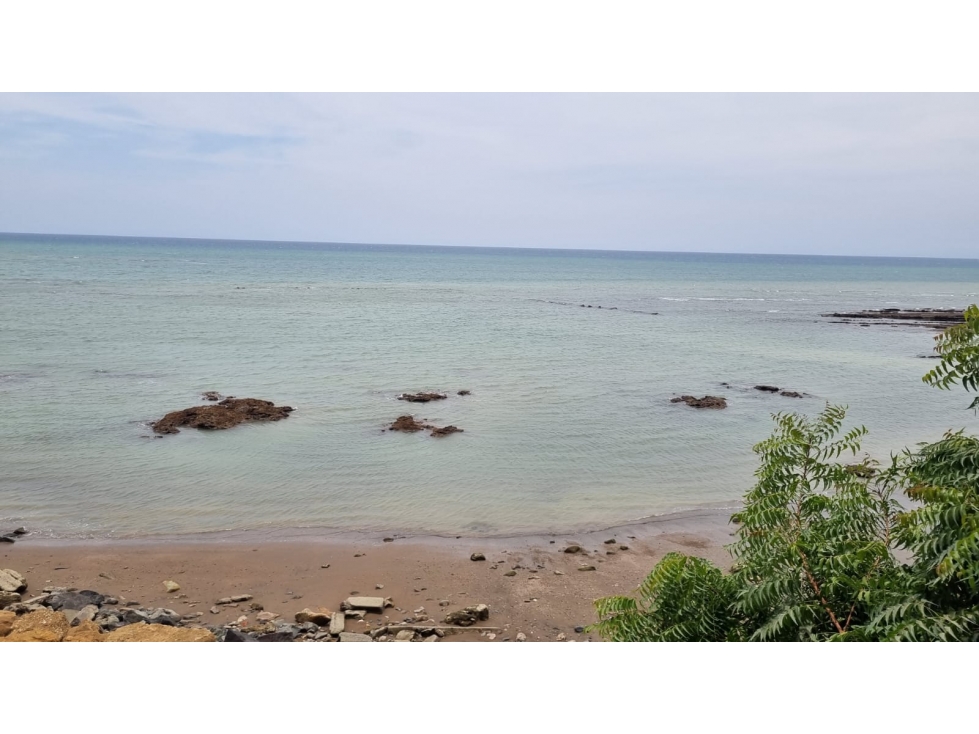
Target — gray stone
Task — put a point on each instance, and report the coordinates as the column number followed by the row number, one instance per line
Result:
column 10, row 580
column 368, row 603
column 337, row 622
column 9, row 597
column 477, row 557
column 405, row 636
column 74, row 600
column 354, row 637
column 85, row 614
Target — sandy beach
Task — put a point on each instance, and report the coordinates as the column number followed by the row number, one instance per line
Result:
column 286, row 571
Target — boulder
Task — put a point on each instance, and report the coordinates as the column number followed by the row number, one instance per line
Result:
column 8, row 597
column 708, row 401
column 477, row 557
column 421, row 397
column 42, row 625
column 12, row 581
column 73, row 599
column 226, row 414
column 142, row 632
column 408, row 424
column 320, row 616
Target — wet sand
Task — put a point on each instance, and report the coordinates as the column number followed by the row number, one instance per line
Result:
column 284, row 571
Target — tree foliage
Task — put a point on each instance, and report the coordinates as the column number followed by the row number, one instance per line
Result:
column 823, row 549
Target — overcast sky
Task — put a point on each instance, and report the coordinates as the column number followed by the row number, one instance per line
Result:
column 848, row 174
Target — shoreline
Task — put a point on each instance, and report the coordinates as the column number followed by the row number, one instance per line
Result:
column 531, row 585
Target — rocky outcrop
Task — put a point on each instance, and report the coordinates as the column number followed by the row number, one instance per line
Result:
column 408, row 424
column 936, row 318
column 422, row 397
column 708, row 401
column 42, row 625
column 226, row 414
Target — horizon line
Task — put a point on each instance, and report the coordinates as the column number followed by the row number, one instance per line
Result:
column 480, row 247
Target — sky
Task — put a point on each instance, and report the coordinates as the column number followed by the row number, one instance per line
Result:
column 854, row 174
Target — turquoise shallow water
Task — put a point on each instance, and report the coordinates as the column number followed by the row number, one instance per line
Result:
column 569, row 424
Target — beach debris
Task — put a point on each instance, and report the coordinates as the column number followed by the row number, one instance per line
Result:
column 573, row 548
column 468, row 616
column 422, row 397
column 708, row 401
column 171, row 586
column 226, row 414
column 10, row 580
column 477, row 557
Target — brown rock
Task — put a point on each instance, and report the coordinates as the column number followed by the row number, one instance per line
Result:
column 320, row 616
column 407, row 423
column 226, row 414
column 791, row 394
column 6, row 623
column 573, row 549
column 142, row 632
column 42, row 625
column 422, row 397
column 87, row 631
column 212, row 395
column 438, row 432
column 708, row 401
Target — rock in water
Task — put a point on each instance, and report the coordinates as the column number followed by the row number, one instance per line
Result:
column 464, row 392
column 766, row 388
column 439, row 432
column 791, row 394
column 226, row 414
column 408, row 424
column 422, row 397
column 708, row 401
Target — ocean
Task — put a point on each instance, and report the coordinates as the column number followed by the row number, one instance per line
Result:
column 568, row 426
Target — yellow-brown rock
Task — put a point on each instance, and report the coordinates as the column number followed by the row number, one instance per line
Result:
column 40, row 626
column 86, row 631
column 6, row 623
column 142, row 632
column 320, row 616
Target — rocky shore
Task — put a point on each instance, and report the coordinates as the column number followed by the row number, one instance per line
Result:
column 327, row 589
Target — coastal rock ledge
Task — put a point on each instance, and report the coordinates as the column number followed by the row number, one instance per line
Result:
column 711, row 402
column 226, row 414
